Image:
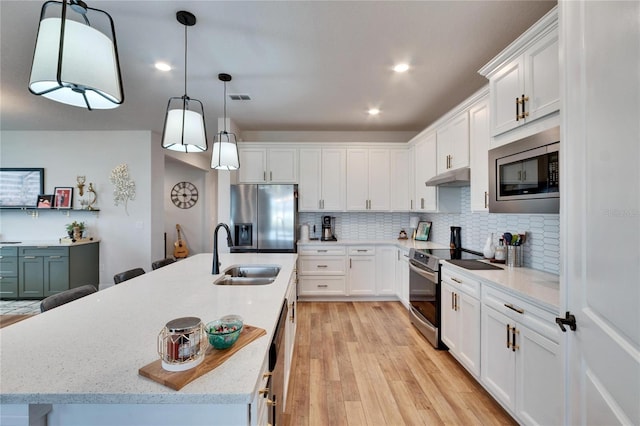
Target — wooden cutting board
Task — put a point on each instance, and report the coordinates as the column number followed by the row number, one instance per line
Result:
column 176, row 380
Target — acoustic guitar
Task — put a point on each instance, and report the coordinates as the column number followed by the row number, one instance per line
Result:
column 180, row 249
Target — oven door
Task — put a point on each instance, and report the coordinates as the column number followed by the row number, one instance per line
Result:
column 424, row 298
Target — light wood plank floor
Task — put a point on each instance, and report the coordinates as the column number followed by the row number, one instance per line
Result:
column 363, row 363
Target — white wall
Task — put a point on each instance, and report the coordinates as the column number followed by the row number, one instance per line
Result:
column 127, row 240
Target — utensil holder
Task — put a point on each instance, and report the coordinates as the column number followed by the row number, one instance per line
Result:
column 514, row 256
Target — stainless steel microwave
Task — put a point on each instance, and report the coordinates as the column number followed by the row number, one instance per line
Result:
column 524, row 176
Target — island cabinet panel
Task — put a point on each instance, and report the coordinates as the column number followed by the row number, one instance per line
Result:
column 8, row 272
column 42, row 271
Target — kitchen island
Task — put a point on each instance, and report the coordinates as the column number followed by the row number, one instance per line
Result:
column 79, row 362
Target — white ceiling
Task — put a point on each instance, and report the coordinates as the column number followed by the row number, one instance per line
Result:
column 307, row 65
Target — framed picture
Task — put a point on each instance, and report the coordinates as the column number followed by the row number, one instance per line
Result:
column 20, row 186
column 64, row 197
column 45, row 201
column 423, row 230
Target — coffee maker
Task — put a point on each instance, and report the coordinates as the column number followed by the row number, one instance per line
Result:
column 328, row 228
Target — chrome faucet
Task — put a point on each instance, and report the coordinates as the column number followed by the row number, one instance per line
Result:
column 216, row 262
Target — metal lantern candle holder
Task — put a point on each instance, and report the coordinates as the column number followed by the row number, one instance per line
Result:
column 74, row 62
column 182, row 344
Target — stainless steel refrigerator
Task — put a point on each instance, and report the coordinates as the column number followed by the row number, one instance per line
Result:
column 264, row 218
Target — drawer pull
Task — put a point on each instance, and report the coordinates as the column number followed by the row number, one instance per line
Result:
column 323, row 285
column 322, row 266
column 513, row 308
column 43, row 247
column 322, row 251
column 29, row 257
column 456, row 280
column 55, row 257
column 362, row 250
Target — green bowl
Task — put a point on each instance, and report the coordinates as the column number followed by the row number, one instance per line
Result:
column 223, row 334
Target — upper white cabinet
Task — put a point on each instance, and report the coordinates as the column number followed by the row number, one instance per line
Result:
column 425, row 168
column 453, row 143
column 268, row 165
column 368, row 179
column 402, row 179
column 524, row 78
column 321, row 184
column 479, row 159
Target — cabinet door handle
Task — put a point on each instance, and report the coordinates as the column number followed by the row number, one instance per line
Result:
column 486, row 199
column 525, row 99
column 517, row 109
column 457, row 306
column 422, row 203
column 508, row 336
column 513, row 308
column 350, row 263
column 520, row 175
column 513, row 339
column 411, row 204
column 524, row 175
column 271, row 176
column 264, row 176
column 453, row 304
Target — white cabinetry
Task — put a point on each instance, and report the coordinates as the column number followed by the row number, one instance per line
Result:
column 321, row 271
column 368, row 179
column 386, row 284
column 362, row 271
column 520, row 358
column 425, row 168
column 290, row 332
column 460, row 307
column 524, row 78
column 322, row 179
column 453, row 143
column 479, row 145
column 268, row 165
column 402, row 275
column 259, row 407
column 402, row 179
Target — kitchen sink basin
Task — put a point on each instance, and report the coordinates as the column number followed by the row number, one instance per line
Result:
column 249, row 275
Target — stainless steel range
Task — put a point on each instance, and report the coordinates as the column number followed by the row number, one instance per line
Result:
column 424, row 288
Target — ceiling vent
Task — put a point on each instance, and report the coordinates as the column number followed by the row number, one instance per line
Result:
column 239, row 97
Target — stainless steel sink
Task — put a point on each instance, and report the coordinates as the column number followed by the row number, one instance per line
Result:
column 249, row 275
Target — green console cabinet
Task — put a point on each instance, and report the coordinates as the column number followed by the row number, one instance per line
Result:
column 9, row 272
column 47, row 270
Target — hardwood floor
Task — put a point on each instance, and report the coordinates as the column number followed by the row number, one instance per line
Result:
column 6, row 320
column 363, row 363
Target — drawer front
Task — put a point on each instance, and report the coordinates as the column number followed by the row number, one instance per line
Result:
column 8, row 266
column 319, row 286
column 361, row 251
column 8, row 251
column 44, row 251
column 8, row 287
column 321, row 251
column 519, row 310
column 321, row 265
column 461, row 282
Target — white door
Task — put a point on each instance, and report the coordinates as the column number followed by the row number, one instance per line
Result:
column 253, row 165
column 309, row 185
column 358, row 179
column 379, row 188
column 362, row 275
column 333, row 179
column 600, row 209
column 283, row 165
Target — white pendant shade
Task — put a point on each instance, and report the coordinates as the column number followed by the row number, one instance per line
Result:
column 89, row 62
column 189, row 136
column 225, row 156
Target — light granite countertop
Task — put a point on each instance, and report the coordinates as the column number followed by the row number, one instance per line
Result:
column 406, row 244
column 47, row 243
column 89, row 351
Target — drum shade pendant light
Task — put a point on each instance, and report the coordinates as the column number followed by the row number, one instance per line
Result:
column 184, row 128
column 225, row 144
column 74, row 62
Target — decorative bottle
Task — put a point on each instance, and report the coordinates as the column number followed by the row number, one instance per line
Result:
column 500, row 251
column 489, row 248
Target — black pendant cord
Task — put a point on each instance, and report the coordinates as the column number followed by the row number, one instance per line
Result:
column 225, row 107
column 185, row 63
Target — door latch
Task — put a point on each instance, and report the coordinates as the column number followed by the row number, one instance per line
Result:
column 569, row 320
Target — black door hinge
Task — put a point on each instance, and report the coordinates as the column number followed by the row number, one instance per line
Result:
column 569, row 320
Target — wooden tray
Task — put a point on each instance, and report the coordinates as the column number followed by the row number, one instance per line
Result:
column 176, row 380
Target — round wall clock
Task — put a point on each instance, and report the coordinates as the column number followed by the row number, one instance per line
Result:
column 184, row 195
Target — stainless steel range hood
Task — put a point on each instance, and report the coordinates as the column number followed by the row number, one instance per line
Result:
column 455, row 178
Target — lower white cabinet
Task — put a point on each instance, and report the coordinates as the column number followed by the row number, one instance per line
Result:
column 386, row 284
column 521, row 364
column 290, row 332
column 460, row 307
column 402, row 275
column 321, row 271
column 362, row 271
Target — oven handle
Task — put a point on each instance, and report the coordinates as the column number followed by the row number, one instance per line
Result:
column 422, row 272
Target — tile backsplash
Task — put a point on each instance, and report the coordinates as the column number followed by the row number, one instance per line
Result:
column 541, row 251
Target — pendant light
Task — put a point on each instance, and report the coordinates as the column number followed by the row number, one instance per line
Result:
column 184, row 129
column 225, row 144
column 73, row 62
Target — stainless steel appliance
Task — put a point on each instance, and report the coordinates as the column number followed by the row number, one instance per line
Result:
column 424, row 288
column 328, row 228
column 276, row 367
column 524, row 176
column 264, row 218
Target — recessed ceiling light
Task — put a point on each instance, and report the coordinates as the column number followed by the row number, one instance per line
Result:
column 401, row 67
column 162, row 66
column 374, row 111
